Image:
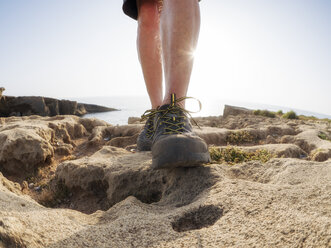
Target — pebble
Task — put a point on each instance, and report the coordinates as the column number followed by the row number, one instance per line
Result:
column 31, row 185
column 38, row 188
column 25, row 185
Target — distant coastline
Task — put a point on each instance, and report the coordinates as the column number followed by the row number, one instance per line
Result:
column 45, row 106
column 135, row 106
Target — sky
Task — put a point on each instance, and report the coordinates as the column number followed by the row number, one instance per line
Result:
column 261, row 51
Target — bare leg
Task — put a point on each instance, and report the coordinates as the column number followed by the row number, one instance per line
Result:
column 180, row 26
column 149, row 49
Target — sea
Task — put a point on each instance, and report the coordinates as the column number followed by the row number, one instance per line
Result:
column 135, row 106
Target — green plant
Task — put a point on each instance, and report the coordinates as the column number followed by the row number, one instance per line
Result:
column 279, row 112
column 313, row 118
column 326, row 119
column 232, row 155
column 290, row 115
column 239, row 137
column 323, row 136
column 265, row 113
column 306, row 118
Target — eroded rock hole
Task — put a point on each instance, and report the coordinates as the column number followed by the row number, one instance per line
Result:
column 90, row 200
column 99, row 188
column 149, row 197
column 58, row 195
column 198, row 218
column 8, row 241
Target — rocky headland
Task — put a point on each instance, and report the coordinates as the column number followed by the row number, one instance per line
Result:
column 67, row 181
column 45, row 106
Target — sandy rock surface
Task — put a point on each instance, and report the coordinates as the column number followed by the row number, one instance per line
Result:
column 100, row 192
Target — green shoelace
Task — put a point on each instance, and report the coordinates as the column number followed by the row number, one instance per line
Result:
column 149, row 116
column 175, row 124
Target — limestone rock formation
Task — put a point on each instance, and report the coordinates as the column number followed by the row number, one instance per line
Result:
column 22, row 150
column 2, row 89
column 44, row 106
column 67, row 181
column 233, row 110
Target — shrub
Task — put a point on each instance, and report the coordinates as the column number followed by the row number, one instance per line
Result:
column 306, row 118
column 280, row 112
column 313, row 118
column 326, row 119
column 232, row 155
column 290, row 115
column 265, row 113
column 323, row 136
column 239, row 137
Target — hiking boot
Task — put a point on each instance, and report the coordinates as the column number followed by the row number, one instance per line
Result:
column 174, row 143
column 145, row 138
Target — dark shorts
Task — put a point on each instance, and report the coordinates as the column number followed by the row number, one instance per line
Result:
column 130, row 8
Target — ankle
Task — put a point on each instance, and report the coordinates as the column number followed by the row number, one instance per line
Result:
column 167, row 100
column 157, row 105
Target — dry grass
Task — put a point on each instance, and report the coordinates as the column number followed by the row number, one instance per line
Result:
column 239, row 137
column 323, row 136
column 291, row 115
column 232, row 155
column 312, row 118
column 265, row 113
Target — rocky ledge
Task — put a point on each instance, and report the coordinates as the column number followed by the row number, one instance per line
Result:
column 45, row 106
column 76, row 182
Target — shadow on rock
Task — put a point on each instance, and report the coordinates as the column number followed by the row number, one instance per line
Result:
column 112, row 174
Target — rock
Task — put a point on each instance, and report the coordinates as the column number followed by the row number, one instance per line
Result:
column 45, row 106
column 106, row 196
column 320, row 155
column 27, row 106
column 27, row 143
column 134, row 120
column 23, row 150
column 14, row 114
column 24, row 185
column 270, row 140
column 91, row 123
column 213, row 136
column 53, row 106
column 233, row 110
column 2, row 89
column 8, row 186
column 123, row 141
column 111, row 181
column 38, row 189
column 67, row 107
column 93, row 108
column 64, row 149
column 119, row 136
column 280, row 150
